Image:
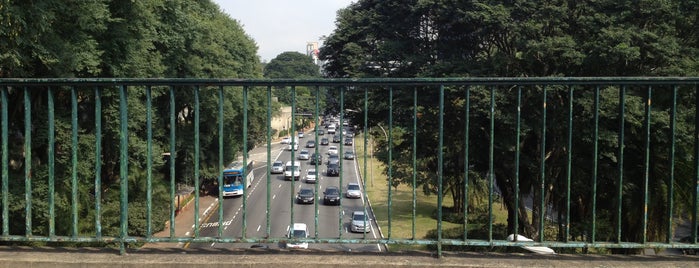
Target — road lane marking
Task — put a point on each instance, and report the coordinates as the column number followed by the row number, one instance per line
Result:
column 258, row 228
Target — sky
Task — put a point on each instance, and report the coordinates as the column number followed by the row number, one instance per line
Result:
column 279, row 26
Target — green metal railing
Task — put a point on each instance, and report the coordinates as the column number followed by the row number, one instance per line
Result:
column 518, row 136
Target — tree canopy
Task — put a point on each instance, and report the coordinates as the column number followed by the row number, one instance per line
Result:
column 115, row 39
column 519, row 39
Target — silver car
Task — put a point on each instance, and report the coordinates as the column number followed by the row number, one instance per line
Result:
column 277, row 167
column 360, row 223
column 353, row 190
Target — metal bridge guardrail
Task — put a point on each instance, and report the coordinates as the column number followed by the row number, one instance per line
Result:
column 514, row 135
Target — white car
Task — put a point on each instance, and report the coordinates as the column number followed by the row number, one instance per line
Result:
column 286, row 140
column 277, row 167
column 353, row 190
column 311, row 176
column 297, row 231
column 332, row 150
column 304, row 155
column 293, row 146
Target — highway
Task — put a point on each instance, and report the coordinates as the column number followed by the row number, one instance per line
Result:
column 333, row 222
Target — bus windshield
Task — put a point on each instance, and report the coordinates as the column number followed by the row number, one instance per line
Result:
column 232, row 180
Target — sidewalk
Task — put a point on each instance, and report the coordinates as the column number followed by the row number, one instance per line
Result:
column 184, row 221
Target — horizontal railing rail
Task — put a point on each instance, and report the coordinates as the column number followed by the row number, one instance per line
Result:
column 574, row 163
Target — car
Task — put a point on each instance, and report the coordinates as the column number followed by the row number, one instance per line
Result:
column 304, row 155
column 310, row 144
column 331, row 129
column 348, row 141
column 311, row 175
column 292, row 146
column 277, row 167
column 333, row 170
column 292, row 170
column 301, row 135
column 324, row 141
column 331, row 196
column 333, row 159
column 353, row 190
column 286, row 140
column 321, row 132
column 349, row 155
column 360, row 222
column 305, row 196
column 336, row 139
column 332, row 150
column 316, row 158
column 297, row 231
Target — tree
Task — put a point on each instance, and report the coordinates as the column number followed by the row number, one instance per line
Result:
column 524, row 38
column 115, row 38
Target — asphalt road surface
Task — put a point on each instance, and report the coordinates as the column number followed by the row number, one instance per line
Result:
column 323, row 221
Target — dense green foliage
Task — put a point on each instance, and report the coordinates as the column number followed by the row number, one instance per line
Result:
column 121, row 38
column 532, row 38
column 294, row 65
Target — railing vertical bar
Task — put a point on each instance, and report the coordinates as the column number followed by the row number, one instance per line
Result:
column 517, row 155
column 341, row 152
column 197, row 110
column 491, row 167
column 620, row 180
column 173, row 157
column 98, row 162
column 695, row 205
column 467, row 118
column 149, row 162
column 123, row 166
column 219, row 231
column 27, row 162
column 74, row 160
column 245, row 160
column 569, row 161
column 671, row 183
column 317, row 153
column 294, row 140
column 414, row 205
column 269, row 161
column 365, row 199
column 52, row 161
column 646, row 165
column 542, row 177
column 6, row 165
column 440, row 171
column 390, row 158
column 595, row 156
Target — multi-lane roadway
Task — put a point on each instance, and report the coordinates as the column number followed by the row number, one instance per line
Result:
column 327, row 222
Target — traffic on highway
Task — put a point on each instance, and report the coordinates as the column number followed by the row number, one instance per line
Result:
column 317, row 194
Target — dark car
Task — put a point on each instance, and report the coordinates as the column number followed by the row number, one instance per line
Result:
column 336, row 139
column 305, row 196
column 331, row 196
column 321, row 132
column 316, row 158
column 349, row 155
column 324, row 141
column 333, row 170
column 333, row 159
column 348, row 141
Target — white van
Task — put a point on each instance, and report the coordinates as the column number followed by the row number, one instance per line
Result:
column 297, row 231
column 292, row 170
column 331, row 129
